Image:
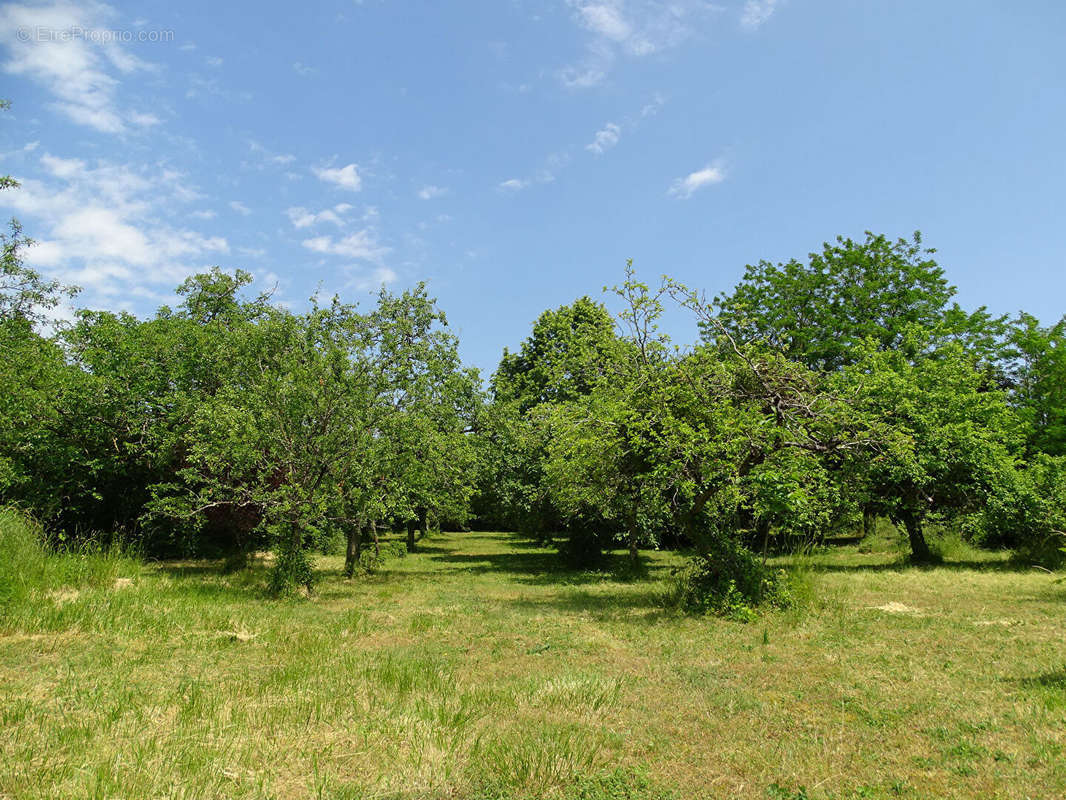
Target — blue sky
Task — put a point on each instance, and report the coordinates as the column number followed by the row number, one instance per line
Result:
column 514, row 154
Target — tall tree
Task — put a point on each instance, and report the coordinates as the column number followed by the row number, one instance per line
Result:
column 821, row 312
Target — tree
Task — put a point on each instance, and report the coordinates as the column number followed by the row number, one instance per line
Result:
column 1039, row 382
column 565, row 356
column 823, row 312
column 570, row 351
column 300, row 428
column 946, row 440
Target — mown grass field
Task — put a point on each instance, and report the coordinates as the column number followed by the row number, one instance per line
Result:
column 477, row 668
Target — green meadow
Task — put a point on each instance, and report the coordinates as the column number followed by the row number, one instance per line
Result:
column 477, row 667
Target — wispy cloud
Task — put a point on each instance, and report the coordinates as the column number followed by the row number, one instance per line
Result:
column 302, row 218
column 685, row 187
column 240, row 208
column 756, row 12
column 606, row 138
column 513, row 185
column 631, row 29
column 81, row 73
column 346, row 177
column 375, row 279
column 303, row 70
column 265, row 157
column 362, row 245
column 429, row 192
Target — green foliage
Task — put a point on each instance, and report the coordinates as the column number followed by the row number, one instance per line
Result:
column 945, row 440
column 372, row 559
column 1039, row 382
column 729, row 581
column 24, row 294
column 823, row 312
column 568, row 353
column 1027, row 512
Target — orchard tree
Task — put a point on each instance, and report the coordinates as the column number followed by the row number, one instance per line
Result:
column 570, row 351
column 1039, row 382
column 298, row 431
column 821, row 313
column 947, row 442
column 566, row 355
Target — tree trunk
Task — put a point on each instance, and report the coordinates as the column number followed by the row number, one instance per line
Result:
column 423, row 521
column 920, row 551
column 374, row 536
column 869, row 523
column 411, row 527
column 634, row 541
column 763, row 529
column 351, row 554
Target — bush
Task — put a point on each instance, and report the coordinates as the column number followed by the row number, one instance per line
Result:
column 292, row 569
column 1028, row 513
column 730, row 581
column 371, row 560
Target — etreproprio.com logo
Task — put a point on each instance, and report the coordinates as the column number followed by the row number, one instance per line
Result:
column 91, row 35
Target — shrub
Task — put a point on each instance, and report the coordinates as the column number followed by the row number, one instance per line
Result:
column 1028, row 513
column 371, row 560
column 731, row 581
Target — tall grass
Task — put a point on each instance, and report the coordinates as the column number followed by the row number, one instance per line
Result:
column 30, row 568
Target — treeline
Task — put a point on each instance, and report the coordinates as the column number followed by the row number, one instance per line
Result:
column 820, row 395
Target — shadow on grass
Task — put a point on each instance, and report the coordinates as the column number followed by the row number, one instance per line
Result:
column 906, row 564
column 644, row 605
column 530, row 563
column 1054, row 679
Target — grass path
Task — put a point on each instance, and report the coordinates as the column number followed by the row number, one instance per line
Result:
column 477, row 668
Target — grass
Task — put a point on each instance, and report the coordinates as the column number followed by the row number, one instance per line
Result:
column 478, row 668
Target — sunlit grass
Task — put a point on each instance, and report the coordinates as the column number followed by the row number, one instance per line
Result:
column 477, row 667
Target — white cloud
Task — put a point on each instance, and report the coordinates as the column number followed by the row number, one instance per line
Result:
column 694, row 181
column 429, row 192
column 363, row 245
column 513, row 185
column 632, row 29
column 344, row 177
column 107, row 227
column 268, row 157
column 79, row 72
column 606, row 20
column 204, row 214
column 303, row 70
column 756, row 12
column 213, row 61
column 240, row 208
column 605, row 139
column 302, row 218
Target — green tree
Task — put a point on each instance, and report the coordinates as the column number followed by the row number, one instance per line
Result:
column 570, row 351
column 567, row 353
column 1039, row 382
column 821, row 313
column 946, row 442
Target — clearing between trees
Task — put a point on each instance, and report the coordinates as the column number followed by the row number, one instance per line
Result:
column 479, row 667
